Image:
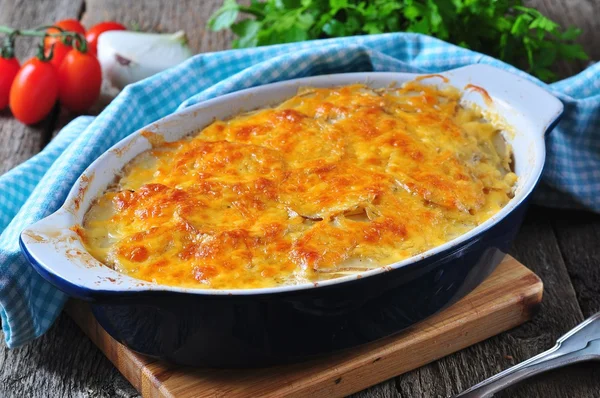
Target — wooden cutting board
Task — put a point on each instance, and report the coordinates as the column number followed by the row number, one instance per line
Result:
column 506, row 299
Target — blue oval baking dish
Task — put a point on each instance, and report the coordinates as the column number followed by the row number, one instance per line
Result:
column 260, row 327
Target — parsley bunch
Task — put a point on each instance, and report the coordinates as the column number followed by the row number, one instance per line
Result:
column 504, row 29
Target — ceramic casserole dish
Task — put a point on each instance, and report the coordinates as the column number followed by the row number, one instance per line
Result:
column 266, row 326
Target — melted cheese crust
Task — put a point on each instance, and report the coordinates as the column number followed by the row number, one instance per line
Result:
column 329, row 183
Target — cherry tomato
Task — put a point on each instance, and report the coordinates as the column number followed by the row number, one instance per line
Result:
column 61, row 49
column 34, row 91
column 79, row 80
column 95, row 31
column 59, row 53
column 9, row 67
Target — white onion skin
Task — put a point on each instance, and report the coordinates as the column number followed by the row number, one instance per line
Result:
column 127, row 57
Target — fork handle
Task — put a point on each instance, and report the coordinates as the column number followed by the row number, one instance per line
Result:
column 545, row 361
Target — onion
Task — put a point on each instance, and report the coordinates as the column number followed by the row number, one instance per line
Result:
column 127, row 57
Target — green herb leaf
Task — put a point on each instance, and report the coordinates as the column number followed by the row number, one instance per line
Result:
column 504, row 29
column 335, row 28
column 337, row 4
column 572, row 51
column 372, row 28
column 247, row 30
column 295, row 33
column 571, row 33
column 225, row 16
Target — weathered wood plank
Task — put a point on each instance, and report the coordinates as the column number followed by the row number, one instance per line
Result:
column 536, row 246
column 578, row 236
column 62, row 363
column 162, row 16
column 65, row 363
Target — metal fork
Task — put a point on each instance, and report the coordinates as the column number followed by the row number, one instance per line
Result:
column 581, row 343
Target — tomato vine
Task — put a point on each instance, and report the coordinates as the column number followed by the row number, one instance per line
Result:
column 74, row 39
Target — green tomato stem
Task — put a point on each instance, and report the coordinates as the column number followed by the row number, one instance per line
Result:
column 7, row 50
column 80, row 44
column 39, row 32
column 41, row 53
column 73, row 39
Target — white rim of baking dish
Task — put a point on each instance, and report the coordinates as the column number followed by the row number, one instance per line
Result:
column 59, row 256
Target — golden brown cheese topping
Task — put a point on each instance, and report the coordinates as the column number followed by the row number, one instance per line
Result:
column 329, row 183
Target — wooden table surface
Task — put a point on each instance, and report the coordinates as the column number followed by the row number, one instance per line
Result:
column 562, row 247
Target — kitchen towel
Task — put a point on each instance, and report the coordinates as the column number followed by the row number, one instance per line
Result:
column 31, row 191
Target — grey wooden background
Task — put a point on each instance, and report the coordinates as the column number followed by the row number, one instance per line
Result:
column 562, row 247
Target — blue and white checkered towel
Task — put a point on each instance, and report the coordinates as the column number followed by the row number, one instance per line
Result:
column 38, row 187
